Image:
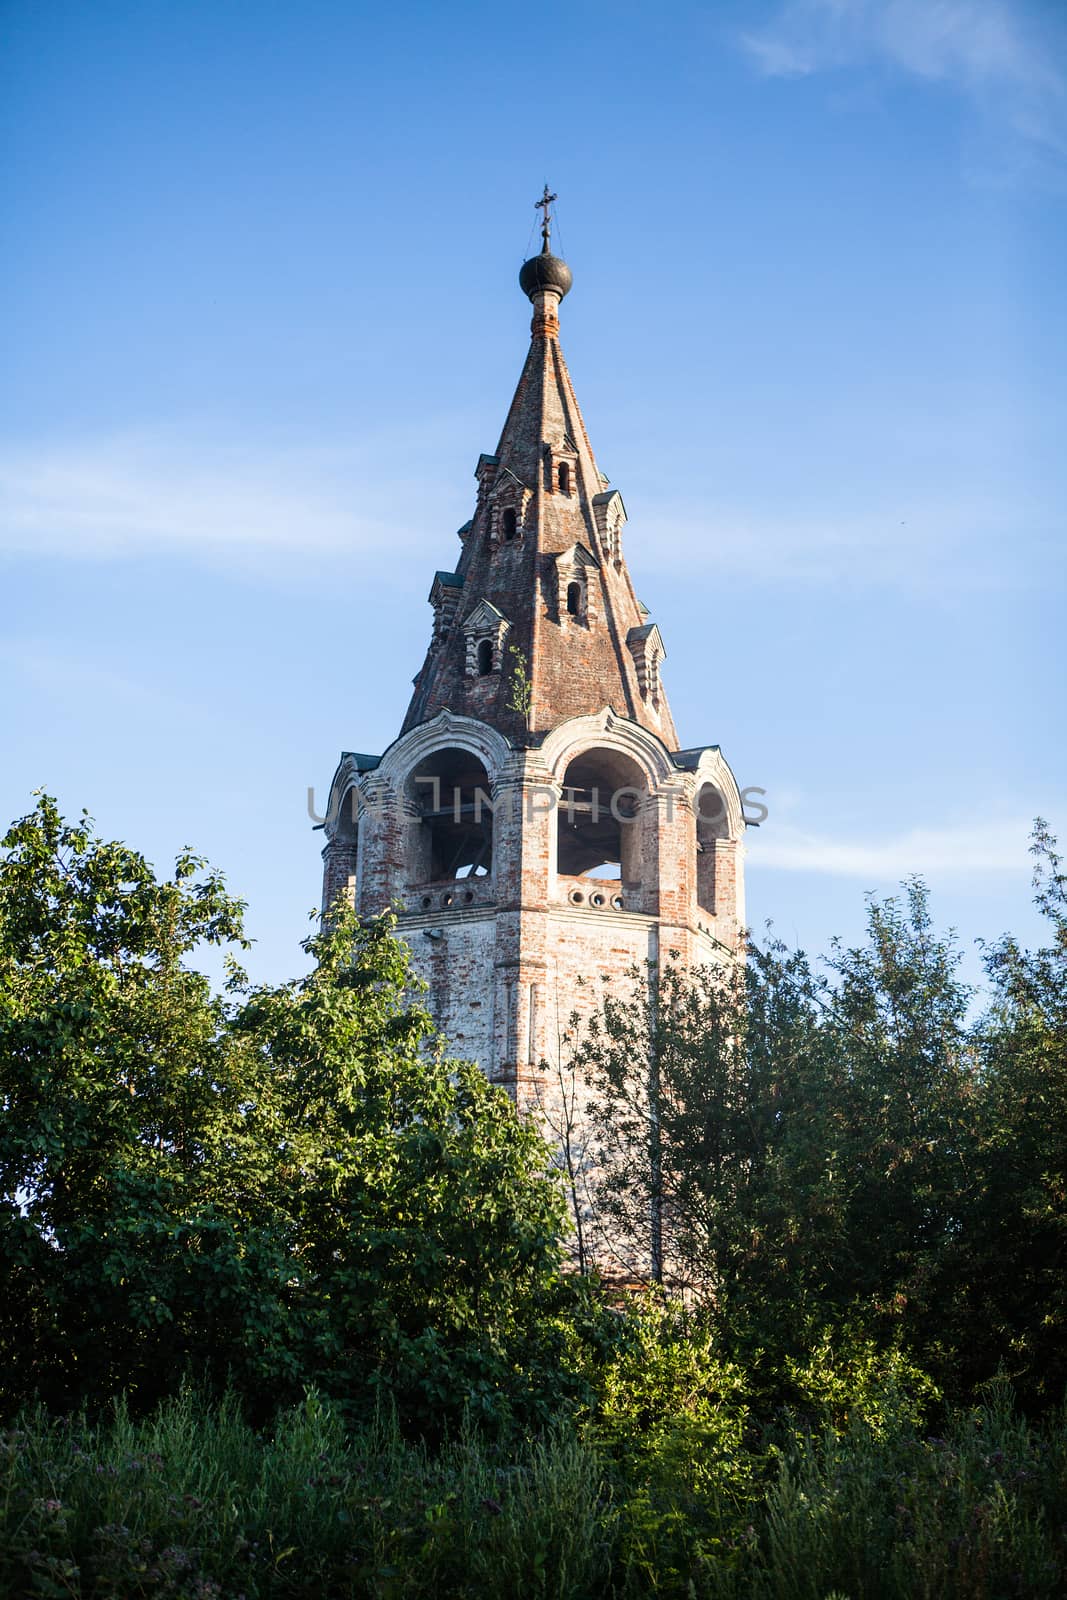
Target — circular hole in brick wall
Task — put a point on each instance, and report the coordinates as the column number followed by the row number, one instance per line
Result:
column 596, row 899
column 576, row 897
column 468, row 898
column 616, row 901
column 426, row 901
column 447, row 899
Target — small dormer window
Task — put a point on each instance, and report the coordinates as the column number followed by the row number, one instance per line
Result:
column 564, row 477
column 576, row 594
column 610, row 514
column 509, row 522
column 485, row 629
column 646, row 646
column 445, row 596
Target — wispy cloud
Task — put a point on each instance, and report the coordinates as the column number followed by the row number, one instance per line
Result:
column 989, row 846
column 270, row 504
column 180, row 492
column 990, row 49
column 912, row 546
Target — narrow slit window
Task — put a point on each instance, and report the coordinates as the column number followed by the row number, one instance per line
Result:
column 574, row 599
column 510, row 522
column 485, row 658
column 564, row 478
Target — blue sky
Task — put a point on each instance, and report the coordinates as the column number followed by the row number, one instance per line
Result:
column 258, row 267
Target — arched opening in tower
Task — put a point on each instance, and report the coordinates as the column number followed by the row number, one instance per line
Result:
column 712, row 824
column 599, row 825
column 453, row 836
column 342, row 850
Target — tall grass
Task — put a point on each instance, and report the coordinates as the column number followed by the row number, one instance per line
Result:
column 191, row 1503
column 979, row 1513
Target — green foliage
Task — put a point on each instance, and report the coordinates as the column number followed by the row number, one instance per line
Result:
column 849, row 1150
column 1015, row 1292
column 889, row 1515
column 671, row 1407
column 119, row 1097
column 189, row 1503
column 855, row 1191
column 673, row 1417
column 847, row 1377
column 290, row 1185
column 424, row 1225
column 520, row 685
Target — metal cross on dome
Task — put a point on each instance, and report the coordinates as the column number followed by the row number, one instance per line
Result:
column 546, row 221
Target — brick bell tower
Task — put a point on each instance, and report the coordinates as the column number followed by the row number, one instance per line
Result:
column 535, row 823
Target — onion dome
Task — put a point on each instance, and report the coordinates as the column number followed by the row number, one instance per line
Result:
column 545, row 272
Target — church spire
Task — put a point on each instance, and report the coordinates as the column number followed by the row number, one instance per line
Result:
column 541, row 593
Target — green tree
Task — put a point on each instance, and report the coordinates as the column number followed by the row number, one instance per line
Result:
column 811, row 1142
column 909, row 1077
column 705, row 1093
column 520, row 685
column 284, row 1185
column 118, row 1093
column 426, row 1228
column 1014, row 1301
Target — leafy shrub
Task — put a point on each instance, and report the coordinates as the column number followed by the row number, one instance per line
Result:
column 847, row 1377
column 673, row 1416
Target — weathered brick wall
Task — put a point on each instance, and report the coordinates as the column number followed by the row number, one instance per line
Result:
column 455, row 953
column 508, row 955
column 339, row 863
